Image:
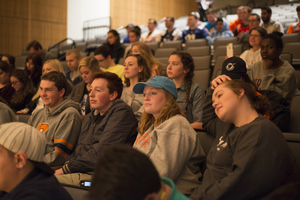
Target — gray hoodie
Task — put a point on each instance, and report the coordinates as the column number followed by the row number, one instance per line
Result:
column 61, row 127
column 7, row 115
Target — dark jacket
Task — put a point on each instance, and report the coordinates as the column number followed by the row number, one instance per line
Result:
column 117, row 51
column 77, row 94
column 116, row 125
column 37, row 185
column 22, row 104
column 77, row 80
column 7, row 92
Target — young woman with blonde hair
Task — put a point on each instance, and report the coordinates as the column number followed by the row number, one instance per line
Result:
column 145, row 51
column 165, row 135
column 87, row 67
column 135, row 70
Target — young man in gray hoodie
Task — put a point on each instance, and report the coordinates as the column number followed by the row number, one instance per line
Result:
column 59, row 120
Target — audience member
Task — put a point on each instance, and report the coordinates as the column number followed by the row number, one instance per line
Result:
column 145, row 51
column 111, row 121
column 113, row 43
column 272, row 73
column 24, row 175
column 211, row 24
column 36, row 102
column 35, row 47
column 241, row 163
column 165, row 135
column 136, row 70
column 171, row 34
column 106, row 63
column 73, row 58
column 203, row 5
column 295, row 27
column 23, row 90
column 193, row 32
column 59, row 120
column 130, row 172
column 10, row 60
column 134, row 36
column 153, row 35
column 254, row 21
column 129, row 28
column 253, row 55
column 7, row 114
column 218, row 33
column 280, row 111
column 190, row 95
column 233, row 24
column 87, row 67
column 6, row 90
column 244, row 27
column 268, row 24
column 34, row 69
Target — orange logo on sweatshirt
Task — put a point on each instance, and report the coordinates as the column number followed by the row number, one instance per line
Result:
column 144, row 140
column 43, row 127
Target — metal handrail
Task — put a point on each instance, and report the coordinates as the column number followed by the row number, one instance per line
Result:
column 58, row 44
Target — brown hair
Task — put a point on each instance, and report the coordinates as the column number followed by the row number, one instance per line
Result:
column 257, row 101
column 145, row 74
column 147, row 55
column 188, row 64
column 59, row 79
column 170, row 109
column 25, row 90
column 76, row 52
column 114, row 83
column 35, row 44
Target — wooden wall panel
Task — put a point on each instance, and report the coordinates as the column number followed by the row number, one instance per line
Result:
column 139, row 11
column 24, row 20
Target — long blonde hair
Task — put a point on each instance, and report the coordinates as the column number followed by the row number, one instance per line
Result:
column 55, row 64
column 147, row 55
column 170, row 109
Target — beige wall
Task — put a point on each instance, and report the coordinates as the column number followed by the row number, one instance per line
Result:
column 24, row 20
column 139, row 11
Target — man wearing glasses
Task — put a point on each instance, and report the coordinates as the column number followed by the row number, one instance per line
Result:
column 106, row 63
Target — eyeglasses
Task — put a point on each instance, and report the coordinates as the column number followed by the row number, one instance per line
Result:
column 15, row 82
column 101, row 60
column 254, row 35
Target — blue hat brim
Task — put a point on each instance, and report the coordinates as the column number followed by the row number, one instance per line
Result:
column 138, row 88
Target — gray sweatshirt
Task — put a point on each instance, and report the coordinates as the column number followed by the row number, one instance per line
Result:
column 7, row 115
column 175, row 150
column 282, row 80
column 61, row 127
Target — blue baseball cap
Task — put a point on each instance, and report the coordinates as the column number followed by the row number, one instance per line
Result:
column 158, row 82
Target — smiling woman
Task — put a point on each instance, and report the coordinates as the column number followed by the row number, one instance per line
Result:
column 249, row 157
column 165, row 135
column 24, row 90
